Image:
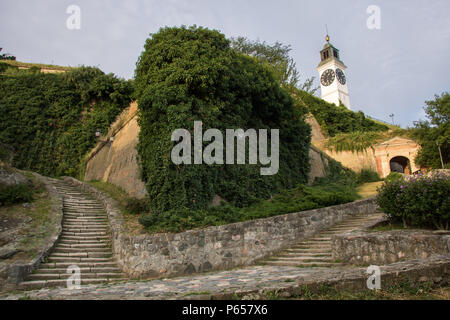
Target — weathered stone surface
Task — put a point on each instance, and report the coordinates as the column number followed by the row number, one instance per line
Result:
column 116, row 161
column 254, row 282
column 11, row 177
column 384, row 247
column 222, row 247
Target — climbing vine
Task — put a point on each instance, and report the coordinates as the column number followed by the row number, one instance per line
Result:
column 49, row 120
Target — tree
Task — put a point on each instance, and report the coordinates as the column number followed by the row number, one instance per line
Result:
column 433, row 132
column 6, row 56
column 277, row 57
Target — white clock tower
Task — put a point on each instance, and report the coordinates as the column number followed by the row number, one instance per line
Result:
column 333, row 83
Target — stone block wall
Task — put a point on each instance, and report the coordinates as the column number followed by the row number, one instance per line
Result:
column 217, row 247
column 385, row 247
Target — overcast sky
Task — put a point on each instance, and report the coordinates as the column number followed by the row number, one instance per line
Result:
column 393, row 69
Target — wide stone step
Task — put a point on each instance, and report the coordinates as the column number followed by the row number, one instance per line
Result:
column 104, row 244
column 85, row 216
column 74, row 219
column 105, row 264
column 80, row 238
column 302, row 264
column 310, row 244
column 76, row 241
column 308, row 250
column 28, row 285
column 304, row 259
column 87, row 275
column 85, row 228
column 305, row 254
column 62, row 249
column 81, row 254
column 84, row 234
column 82, row 270
column 77, row 259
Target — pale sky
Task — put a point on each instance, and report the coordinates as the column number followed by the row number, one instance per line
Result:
column 390, row 70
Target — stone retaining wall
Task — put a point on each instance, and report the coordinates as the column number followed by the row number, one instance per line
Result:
column 218, row 247
column 385, row 247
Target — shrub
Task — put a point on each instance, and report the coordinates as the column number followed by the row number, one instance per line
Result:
column 367, row 175
column 291, row 200
column 15, row 194
column 137, row 206
column 418, row 202
column 394, row 176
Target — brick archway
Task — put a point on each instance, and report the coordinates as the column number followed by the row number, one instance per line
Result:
column 398, row 150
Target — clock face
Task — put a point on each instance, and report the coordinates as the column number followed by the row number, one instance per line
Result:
column 327, row 77
column 340, row 76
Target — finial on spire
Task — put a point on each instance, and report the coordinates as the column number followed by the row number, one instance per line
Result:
column 327, row 37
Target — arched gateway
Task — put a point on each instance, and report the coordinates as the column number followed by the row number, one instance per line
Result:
column 396, row 155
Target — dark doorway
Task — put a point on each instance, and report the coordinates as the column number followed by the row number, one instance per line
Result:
column 400, row 164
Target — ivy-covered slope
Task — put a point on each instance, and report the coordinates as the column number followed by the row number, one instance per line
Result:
column 50, row 119
column 337, row 119
column 188, row 74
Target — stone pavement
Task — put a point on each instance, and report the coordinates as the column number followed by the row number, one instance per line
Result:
column 250, row 282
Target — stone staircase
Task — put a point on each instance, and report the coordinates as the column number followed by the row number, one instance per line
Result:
column 84, row 242
column 316, row 251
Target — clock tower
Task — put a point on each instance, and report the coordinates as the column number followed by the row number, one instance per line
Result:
column 333, row 83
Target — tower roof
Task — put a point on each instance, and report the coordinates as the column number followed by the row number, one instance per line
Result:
column 328, row 53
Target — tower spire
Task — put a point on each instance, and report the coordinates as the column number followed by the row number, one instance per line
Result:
column 327, row 37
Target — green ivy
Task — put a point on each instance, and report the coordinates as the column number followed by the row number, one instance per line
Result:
column 187, row 74
column 337, row 119
column 50, row 119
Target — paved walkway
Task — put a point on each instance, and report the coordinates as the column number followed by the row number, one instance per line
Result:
column 247, row 283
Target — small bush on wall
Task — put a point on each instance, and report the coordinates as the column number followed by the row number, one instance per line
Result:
column 418, row 202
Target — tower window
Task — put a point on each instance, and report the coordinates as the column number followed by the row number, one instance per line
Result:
column 335, row 53
column 325, row 55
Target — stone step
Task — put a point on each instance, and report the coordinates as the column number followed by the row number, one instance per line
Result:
column 28, row 285
column 85, row 220
column 86, row 216
column 84, row 234
column 65, row 265
column 85, row 223
column 304, row 259
column 77, row 259
column 81, row 254
column 83, row 245
column 102, row 226
column 82, row 270
column 79, row 237
column 62, row 249
column 88, row 275
column 305, row 254
column 309, row 244
column 73, row 241
column 301, row 264
column 320, row 239
column 85, row 228
column 308, row 250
